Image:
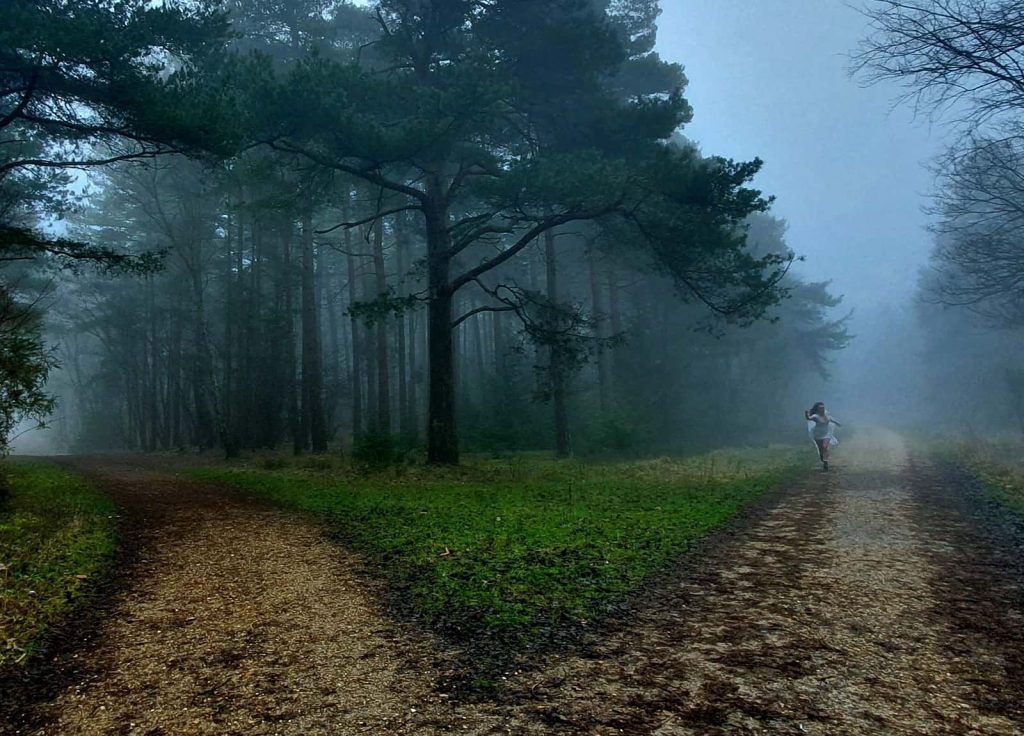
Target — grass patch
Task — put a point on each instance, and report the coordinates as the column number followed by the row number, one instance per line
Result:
column 997, row 463
column 509, row 548
column 56, row 535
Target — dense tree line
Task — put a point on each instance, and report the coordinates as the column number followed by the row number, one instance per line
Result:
column 392, row 213
column 210, row 352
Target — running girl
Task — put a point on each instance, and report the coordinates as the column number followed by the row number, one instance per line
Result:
column 820, row 427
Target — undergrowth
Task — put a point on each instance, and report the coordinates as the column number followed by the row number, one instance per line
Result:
column 56, row 535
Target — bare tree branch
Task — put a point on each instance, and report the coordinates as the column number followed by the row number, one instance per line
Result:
column 961, row 55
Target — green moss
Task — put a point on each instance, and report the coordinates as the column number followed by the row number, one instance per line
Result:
column 510, row 546
column 56, row 535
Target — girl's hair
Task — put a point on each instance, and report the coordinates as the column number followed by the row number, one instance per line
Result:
column 817, row 405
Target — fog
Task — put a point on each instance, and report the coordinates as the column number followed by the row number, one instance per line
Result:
column 850, row 167
column 307, row 299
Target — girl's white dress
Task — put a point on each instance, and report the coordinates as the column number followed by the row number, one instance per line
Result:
column 819, row 431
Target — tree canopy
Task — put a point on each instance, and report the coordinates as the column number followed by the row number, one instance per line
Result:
column 438, row 171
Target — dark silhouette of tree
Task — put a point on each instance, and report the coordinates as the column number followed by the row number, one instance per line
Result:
column 961, row 55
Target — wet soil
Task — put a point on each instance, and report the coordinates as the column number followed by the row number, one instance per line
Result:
column 885, row 597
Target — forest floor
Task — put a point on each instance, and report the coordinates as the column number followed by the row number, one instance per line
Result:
column 884, row 597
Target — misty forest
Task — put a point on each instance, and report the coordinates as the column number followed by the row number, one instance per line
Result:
column 511, row 366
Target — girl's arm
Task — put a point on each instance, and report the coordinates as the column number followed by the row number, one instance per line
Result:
column 835, row 422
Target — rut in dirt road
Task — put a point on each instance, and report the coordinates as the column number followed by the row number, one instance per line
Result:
column 868, row 602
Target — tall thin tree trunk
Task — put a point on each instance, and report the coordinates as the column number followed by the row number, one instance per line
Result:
column 498, row 331
column 479, row 381
column 413, row 406
column 405, row 426
column 298, row 430
column 370, row 359
column 459, row 347
column 258, row 428
column 240, row 398
column 330, row 292
column 152, row 369
column 557, row 354
column 174, row 416
column 205, row 416
column 615, row 322
column 357, row 348
column 598, row 317
column 383, row 371
column 442, row 436
column 230, row 436
column 312, row 360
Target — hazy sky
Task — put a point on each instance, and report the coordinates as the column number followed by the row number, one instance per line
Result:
column 769, row 78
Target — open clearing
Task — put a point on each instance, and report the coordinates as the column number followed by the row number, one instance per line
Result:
column 886, row 597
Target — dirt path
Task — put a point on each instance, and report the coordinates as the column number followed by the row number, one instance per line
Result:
column 882, row 598
column 233, row 618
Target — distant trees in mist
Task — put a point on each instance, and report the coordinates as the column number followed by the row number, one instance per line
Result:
column 77, row 91
column 964, row 60
column 401, row 220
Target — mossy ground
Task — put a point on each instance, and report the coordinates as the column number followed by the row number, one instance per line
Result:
column 56, row 536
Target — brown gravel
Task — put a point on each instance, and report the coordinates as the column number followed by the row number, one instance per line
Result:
column 886, row 597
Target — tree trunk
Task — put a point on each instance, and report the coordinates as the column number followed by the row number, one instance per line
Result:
column 227, row 379
column 312, row 360
column 370, row 357
column 246, row 416
column 329, row 292
column 442, row 437
column 405, row 426
column 557, row 365
column 261, row 429
column 383, row 369
column 357, row 347
column 153, row 364
column 205, row 416
column 498, row 331
column 598, row 317
column 174, row 416
column 615, row 319
column 479, row 367
column 297, row 428
column 414, row 375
